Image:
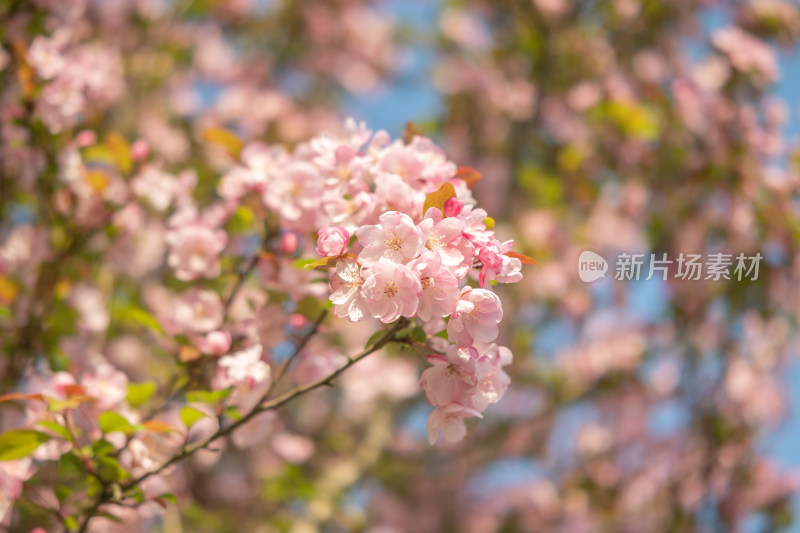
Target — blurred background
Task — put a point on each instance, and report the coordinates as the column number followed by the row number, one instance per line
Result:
column 617, row 126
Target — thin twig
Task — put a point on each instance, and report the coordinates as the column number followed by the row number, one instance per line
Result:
column 261, row 406
column 300, row 347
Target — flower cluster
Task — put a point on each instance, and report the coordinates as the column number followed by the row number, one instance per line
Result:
column 398, row 223
column 393, row 258
column 77, row 76
column 403, row 269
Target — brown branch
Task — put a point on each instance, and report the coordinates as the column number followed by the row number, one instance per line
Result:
column 261, row 406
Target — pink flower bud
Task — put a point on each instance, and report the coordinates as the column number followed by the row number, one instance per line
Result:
column 85, row 138
column 453, row 207
column 289, row 243
column 333, row 240
column 140, row 150
column 297, row 321
column 215, row 343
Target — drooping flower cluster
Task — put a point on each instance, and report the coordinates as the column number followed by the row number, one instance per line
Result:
column 401, row 227
column 366, row 196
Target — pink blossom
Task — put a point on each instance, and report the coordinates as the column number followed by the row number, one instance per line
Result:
column 295, row 195
column 292, row 448
column 12, row 475
column 194, row 251
column 259, row 161
column 347, row 298
column 448, row 421
column 90, row 302
column 242, row 368
column 396, row 238
column 443, row 238
column 452, row 376
column 155, row 185
column 497, row 265
column 492, row 380
column 439, row 287
column 419, row 163
column 107, row 384
column 198, row 310
column 333, row 240
column 747, row 53
column 475, row 226
column 215, row 342
column 46, row 57
column 476, row 317
column 391, row 290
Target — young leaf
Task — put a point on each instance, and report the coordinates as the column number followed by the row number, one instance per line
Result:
column 439, row 197
column 20, row 396
column 110, row 421
column 411, row 131
column 168, row 496
column 188, row 353
column 108, row 466
column 121, row 151
column 190, row 416
column 20, row 443
column 469, row 175
column 55, row 405
column 159, row 426
column 327, row 262
column 302, row 262
column 225, row 139
column 209, row 397
column 139, row 393
column 55, row 428
column 524, row 259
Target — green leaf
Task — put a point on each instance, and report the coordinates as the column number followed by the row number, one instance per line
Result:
column 233, row 413
column 418, row 334
column 55, row 428
column 20, row 443
column 169, row 497
column 327, row 263
column 302, row 262
column 190, row 416
column 224, row 139
column 243, row 220
column 71, row 523
column 109, row 468
column 56, row 405
column 139, row 393
column 310, row 307
column 110, row 421
column 137, row 316
column 120, row 150
column 209, row 397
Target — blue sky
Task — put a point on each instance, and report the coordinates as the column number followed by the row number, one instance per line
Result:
column 413, row 98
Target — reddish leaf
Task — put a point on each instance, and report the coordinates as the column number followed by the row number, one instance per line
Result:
column 469, row 175
column 158, row 426
column 524, row 259
column 411, row 131
column 20, row 396
column 74, row 390
column 225, row 139
column 188, row 353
